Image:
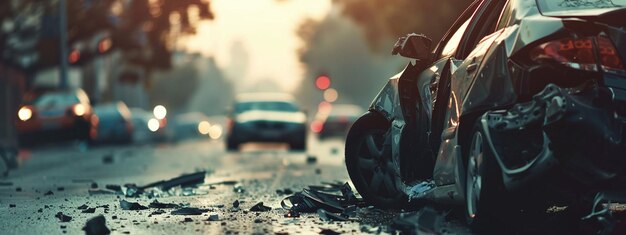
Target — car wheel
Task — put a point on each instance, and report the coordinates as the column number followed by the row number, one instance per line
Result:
column 484, row 189
column 232, row 145
column 369, row 165
column 299, row 144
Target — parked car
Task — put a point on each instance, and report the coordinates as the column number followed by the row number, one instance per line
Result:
column 337, row 121
column 520, row 106
column 263, row 117
column 56, row 115
column 191, row 125
column 147, row 128
column 116, row 124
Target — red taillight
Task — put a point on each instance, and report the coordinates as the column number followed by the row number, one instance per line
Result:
column 580, row 53
column 317, row 126
column 609, row 59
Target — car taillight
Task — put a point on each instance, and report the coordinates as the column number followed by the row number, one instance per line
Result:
column 609, row 59
column 580, row 53
column 317, row 126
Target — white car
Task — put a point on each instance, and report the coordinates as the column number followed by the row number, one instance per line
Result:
column 263, row 117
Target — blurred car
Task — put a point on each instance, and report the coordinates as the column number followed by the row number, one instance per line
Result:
column 115, row 123
column 337, row 122
column 265, row 117
column 146, row 127
column 195, row 125
column 55, row 115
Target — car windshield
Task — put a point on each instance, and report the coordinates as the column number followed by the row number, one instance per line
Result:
column 280, row 106
column 548, row 6
column 55, row 100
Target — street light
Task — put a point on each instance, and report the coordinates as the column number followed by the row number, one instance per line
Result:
column 159, row 112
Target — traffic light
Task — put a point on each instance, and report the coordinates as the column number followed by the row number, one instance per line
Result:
column 74, row 56
column 322, row 82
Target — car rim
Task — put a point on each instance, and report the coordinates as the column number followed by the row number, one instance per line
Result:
column 474, row 177
column 374, row 166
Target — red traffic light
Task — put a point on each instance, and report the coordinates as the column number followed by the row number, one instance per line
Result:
column 74, row 56
column 322, row 82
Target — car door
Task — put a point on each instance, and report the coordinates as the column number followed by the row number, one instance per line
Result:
column 461, row 69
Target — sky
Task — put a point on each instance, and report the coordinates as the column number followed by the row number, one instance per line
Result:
column 264, row 31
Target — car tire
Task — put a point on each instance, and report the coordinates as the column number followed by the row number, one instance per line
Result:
column 485, row 193
column 369, row 165
column 232, row 145
column 298, row 145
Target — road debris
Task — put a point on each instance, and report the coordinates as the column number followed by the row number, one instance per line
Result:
column 327, row 216
column 189, row 211
column 259, row 207
column 310, row 159
column 100, row 192
column 107, row 159
column 159, row 205
column 327, row 231
column 48, row 193
column 82, row 207
column 420, row 190
column 213, row 217
column 331, row 201
column 292, row 214
column 96, row 226
column 94, row 185
column 425, row 221
column 62, row 217
column 89, row 210
column 182, row 181
column 187, row 219
column 236, row 204
column 125, row 205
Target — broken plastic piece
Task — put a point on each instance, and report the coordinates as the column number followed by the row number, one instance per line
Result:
column 327, row 216
column 213, row 217
column 420, row 190
column 189, row 211
column 259, row 207
column 292, row 214
column 89, row 210
column 125, row 205
column 96, row 226
column 157, row 204
column 62, row 217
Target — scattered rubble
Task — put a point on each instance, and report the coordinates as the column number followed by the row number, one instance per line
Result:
column 48, row 193
column 259, row 207
column 82, row 207
column 331, row 201
column 107, row 159
column 96, row 226
column 89, row 210
column 62, row 217
column 213, row 217
column 159, row 205
column 236, row 204
column 125, row 205
column 189, row 211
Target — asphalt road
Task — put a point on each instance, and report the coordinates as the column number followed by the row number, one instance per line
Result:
column 68, row 172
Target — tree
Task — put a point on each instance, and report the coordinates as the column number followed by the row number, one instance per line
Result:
column 390, row 19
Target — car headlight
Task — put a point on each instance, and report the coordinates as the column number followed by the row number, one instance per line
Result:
column 25, row 113
column 79, row 110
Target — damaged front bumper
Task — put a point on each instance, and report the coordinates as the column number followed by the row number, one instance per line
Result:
column 578, row 130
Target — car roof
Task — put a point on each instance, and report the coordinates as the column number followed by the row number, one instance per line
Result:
column 261, row 97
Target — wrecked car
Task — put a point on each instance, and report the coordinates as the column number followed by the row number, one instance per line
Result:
column 522, row 104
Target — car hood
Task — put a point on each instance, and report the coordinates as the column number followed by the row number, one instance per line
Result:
column 582, row 12
column 293, row 117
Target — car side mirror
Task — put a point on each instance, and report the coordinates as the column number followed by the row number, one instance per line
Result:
column 414, row 46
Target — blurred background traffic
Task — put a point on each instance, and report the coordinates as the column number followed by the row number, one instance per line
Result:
column 120, row 72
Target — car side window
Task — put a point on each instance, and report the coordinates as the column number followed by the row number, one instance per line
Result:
column 506, row 15
column 482, row 25
column 450, row 47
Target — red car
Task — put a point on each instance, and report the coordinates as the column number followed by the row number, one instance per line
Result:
column 56, row 115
